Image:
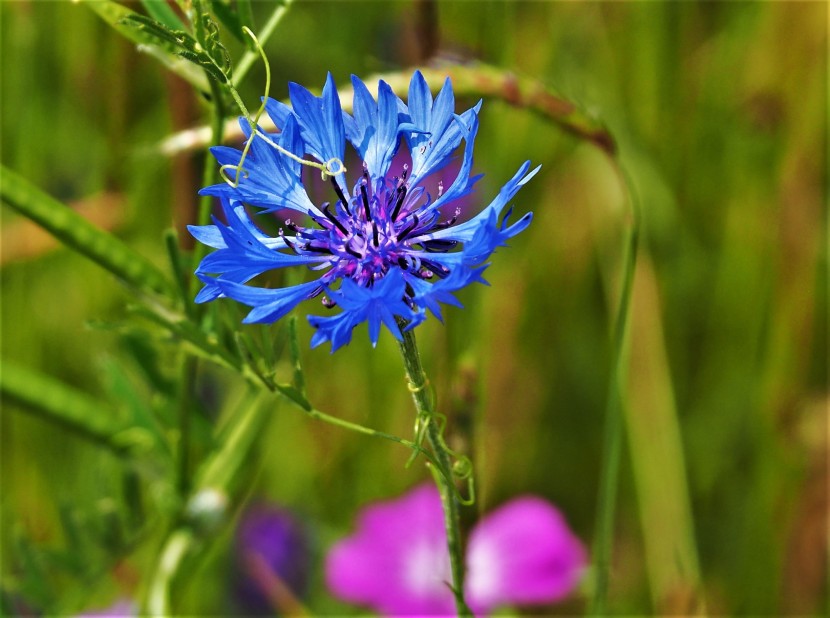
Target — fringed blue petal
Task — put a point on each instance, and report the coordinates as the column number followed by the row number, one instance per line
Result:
column 268, row 305
column 375, row 305
column 269, row 179
column 375, row 128
column 464, row 232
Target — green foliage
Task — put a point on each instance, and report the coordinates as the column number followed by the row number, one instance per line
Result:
column 77, row 233
column 156, row 38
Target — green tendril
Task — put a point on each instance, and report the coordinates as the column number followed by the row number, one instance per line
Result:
column 332, row 167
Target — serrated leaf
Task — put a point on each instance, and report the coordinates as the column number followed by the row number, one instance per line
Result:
column 207, row 33
column 79, row 234
column 115, row 14
column 206, row 63
column 173, row 40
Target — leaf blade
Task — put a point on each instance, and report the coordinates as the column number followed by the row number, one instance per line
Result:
column 79, row 234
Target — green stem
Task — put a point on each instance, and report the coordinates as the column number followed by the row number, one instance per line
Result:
column 209, row 174
column 428, row 422
column 612, row 440
column 175, row 549
column 207, row 504
column 185, row 405
column 251, row 55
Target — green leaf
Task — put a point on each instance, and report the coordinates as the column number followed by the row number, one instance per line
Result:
column 246, row 18
column 117, row 16
column 54, row 401
column 172, row 40
column 294, row 348
column 161, row 11
column 79, row 234
column 229, row 18
column 207, row 34
column 186, row 331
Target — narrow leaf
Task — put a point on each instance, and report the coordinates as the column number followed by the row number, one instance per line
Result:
column 172, row 40
column 161, row 11
column 294, row 349
column 246, row 18
column 228, row 18
column 54, row 401
column 115, row 15
column 79, row 234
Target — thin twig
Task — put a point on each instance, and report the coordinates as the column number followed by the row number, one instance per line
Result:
column 473, row 80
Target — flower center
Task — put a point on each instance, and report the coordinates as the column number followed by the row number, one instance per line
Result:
column 372, row 231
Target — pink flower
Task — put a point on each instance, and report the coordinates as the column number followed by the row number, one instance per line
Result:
column 397, row 563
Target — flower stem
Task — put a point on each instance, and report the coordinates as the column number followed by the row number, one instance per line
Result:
column 429, row 424
column 612, row 440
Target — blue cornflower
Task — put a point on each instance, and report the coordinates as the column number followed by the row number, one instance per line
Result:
column 384, row 252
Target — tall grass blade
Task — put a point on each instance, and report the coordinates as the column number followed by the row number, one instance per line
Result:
column 79, row 234
column 54, row 401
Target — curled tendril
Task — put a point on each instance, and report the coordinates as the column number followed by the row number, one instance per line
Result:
column 332, row 167
column 330, row 170
column 235, row 168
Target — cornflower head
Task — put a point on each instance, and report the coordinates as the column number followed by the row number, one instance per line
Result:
column 385, row 253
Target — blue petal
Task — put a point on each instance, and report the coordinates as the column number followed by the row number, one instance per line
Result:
column 270, row 180
column 434, row 136
column 321, row 120
column 268, row 305
column 464, row 232
column 242, row 252
column 375, row 128
column 429, row 295
column 207, row 235
column 376, row 305
column 462, row 184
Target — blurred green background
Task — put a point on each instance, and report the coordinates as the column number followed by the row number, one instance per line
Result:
column 719, row 110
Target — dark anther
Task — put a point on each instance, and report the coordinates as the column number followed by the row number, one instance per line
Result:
column 323, row 223
column 375, row 234
column 411, row 227
column 340, row 195
column 317, row 249
column 328, row 303
column 438, row 269
column 439, row 246
column 409, row 291
column 445, row 224
column 365, row 197
column 334, row 220
column 403, row 263
column 399, row 202
column 351, row 251
column 290, row 245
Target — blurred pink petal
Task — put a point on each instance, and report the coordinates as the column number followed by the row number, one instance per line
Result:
column 397, row 560
column 522, row 553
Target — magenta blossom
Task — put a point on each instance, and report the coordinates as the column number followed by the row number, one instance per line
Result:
column 397, row 562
